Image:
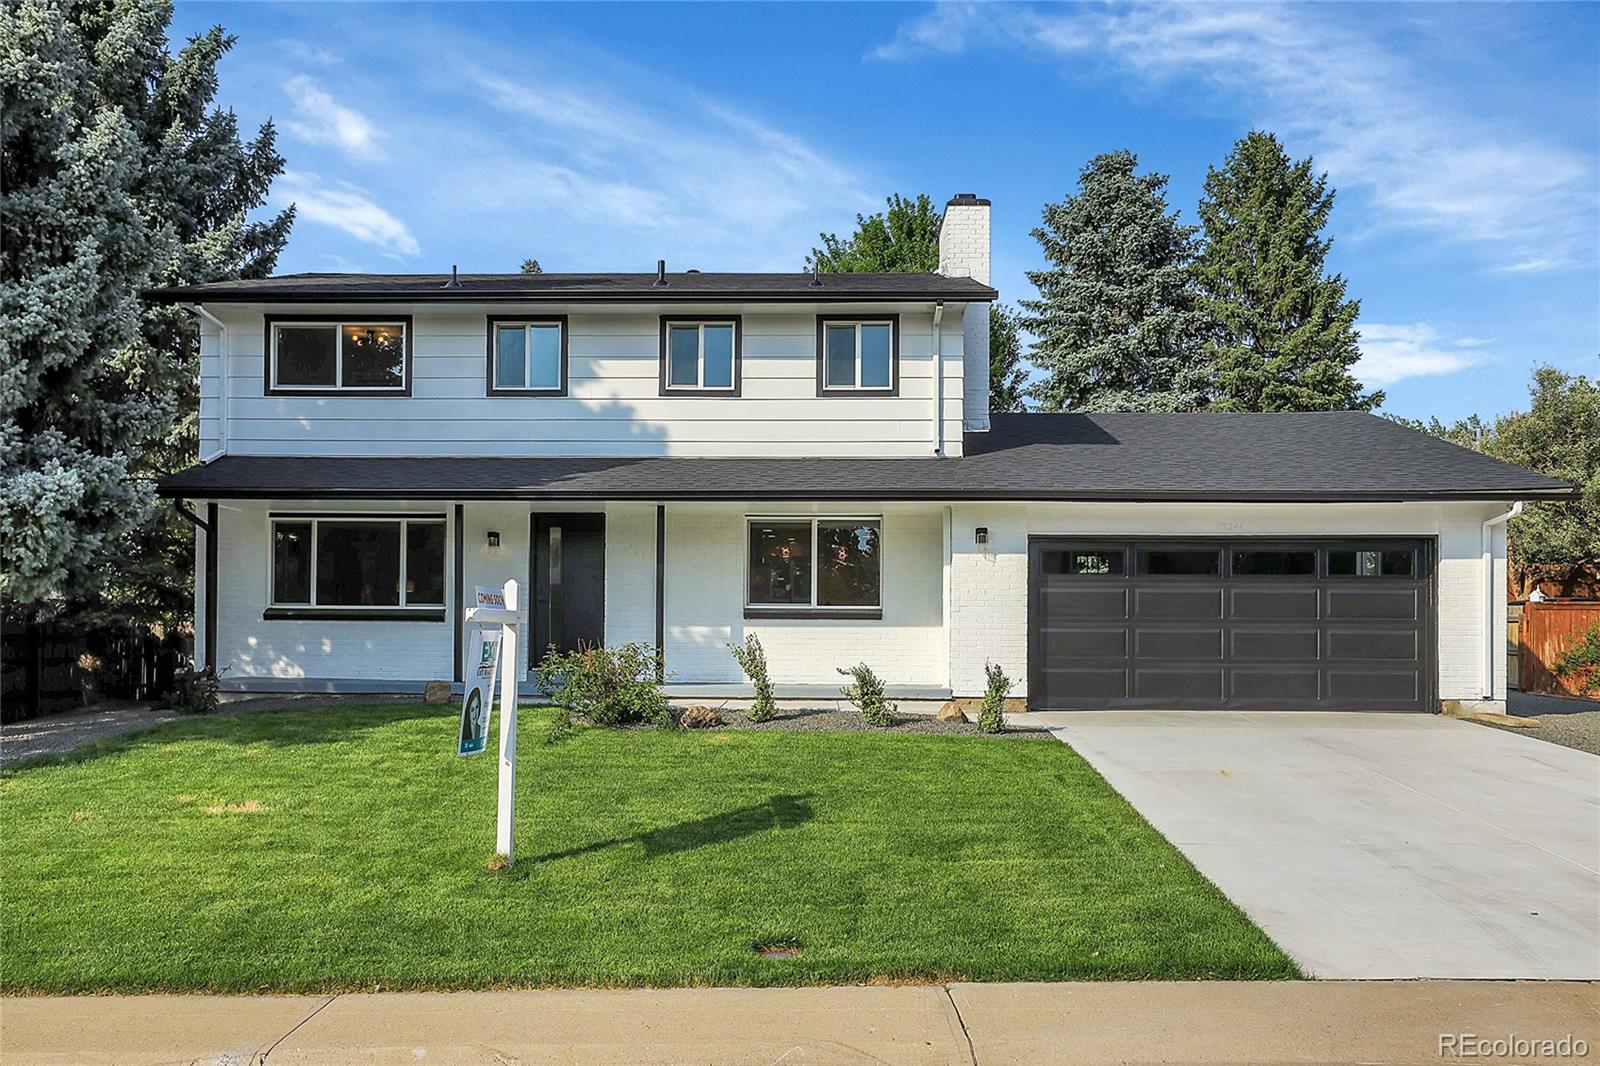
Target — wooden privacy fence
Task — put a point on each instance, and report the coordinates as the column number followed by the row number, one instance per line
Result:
column 1547, row 630
column 56, row 666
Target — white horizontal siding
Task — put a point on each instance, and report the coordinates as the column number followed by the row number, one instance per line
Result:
column 613, row 407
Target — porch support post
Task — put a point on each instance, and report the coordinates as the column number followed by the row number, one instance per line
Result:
column 661, row 591
column 460, row 594
column 211, row 587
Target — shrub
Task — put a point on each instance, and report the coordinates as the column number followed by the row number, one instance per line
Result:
column 991, row 713
column 195, row 691
column 752, row 659
column 866, row 692
column 1582, row 656
column 605, row 686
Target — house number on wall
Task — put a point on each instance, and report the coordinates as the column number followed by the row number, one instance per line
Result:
column 1230, row 527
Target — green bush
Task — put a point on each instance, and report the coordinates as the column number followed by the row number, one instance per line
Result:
column 605, row 686
column 866, row 692
column 752, row 659
column 991, row 713
column 195, row 692
column 1582, row 656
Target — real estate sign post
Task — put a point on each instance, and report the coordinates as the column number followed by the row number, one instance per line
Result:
column 504, row 606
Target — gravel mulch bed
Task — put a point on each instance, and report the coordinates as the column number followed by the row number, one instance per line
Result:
column 828, row 720
column 1572, row 723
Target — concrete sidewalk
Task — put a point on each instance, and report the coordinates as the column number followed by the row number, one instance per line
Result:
column 1079, row 1023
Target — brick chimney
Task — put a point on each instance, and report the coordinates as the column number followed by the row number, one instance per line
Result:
column 964, row 238
column 964, row 253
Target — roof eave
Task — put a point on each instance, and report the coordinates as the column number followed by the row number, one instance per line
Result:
column 190, row 296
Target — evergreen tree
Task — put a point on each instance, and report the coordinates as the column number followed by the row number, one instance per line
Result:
column 1283, row 333
column 1007, row 376
column 119, row 175
column 902, row 239
column 1115, row 321
column 531, row 266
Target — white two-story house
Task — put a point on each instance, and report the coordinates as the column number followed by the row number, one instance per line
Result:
column 681, row 458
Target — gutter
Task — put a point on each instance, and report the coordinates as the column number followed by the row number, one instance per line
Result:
column 938, row 378
column 222, row 385
column 1489, row 604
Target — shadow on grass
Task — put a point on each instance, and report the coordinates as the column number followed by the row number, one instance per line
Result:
column 319, row 724
column 778, row 812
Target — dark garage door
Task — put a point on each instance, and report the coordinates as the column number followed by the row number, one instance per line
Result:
column 1323, row 625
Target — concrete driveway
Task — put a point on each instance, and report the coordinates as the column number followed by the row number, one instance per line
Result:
column 1373, row 845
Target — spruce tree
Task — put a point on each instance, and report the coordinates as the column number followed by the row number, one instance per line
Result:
column 120, row 175
column 1007, row 376
column 1283, row 335
column 1115, row 321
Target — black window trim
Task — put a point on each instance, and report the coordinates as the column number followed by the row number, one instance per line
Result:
column 492, row 322
column 422, row 612
column 831, row 391
column 754, row 611
column 270, row 325
column 666, row 324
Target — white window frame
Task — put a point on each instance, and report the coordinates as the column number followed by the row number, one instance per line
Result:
column 338, row 326
column 527, row 326
column 699, row 326
column 404, row 522
column 866, row 610
column 828, row 386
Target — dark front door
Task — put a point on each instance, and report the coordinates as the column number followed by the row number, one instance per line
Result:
column 569, row 582
column 1314, row 625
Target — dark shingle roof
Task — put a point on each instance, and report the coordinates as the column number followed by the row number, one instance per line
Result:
column 1335, row 456
column 579, row 288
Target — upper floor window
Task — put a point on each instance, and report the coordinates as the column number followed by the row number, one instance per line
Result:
column 858, row 355
column 311, row 355
column 528, row 355
column 700, row 355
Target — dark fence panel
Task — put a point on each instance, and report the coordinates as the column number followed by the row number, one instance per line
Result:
column 55, row 666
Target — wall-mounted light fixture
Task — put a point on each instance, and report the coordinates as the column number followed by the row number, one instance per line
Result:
column 980, row 535
column 494, row 539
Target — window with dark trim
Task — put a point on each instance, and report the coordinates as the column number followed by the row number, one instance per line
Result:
column 1375, row 562
column 858, row 355
column 1085, row 562
column 310, row 355
column 814, row 566
column 701, row 356
column 527, row 356
column 358, row 566
column 1275, row 562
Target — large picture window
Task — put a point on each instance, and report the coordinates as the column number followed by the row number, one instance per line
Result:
column 700, row 355
column 333, row 355
column 815, row 566
column 358, row 565
column 527, row 356
column 858, row 356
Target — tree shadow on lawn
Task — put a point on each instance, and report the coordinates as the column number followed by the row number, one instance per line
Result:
column 778, row 812
column 291, row 726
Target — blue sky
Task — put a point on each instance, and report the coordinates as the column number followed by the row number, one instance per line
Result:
column 1464, row 141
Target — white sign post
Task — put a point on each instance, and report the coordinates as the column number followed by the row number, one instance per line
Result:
column 505, row 606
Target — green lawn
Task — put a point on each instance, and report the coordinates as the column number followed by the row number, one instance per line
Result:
column 348, row 847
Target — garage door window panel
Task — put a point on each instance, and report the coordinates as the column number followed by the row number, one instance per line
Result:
column 1275, row 562
column 1375, row 563
column 1181, row 562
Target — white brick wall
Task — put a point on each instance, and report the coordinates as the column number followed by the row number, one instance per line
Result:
column 705, row 602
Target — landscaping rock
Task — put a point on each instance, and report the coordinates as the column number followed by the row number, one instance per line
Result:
column 436, row 692
column 952, row 712
column 699, row 717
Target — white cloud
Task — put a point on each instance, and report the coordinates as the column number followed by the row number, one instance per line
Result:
column 345, row 207
column 1395, row 352
column 320, row 119
column 1335, row 87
